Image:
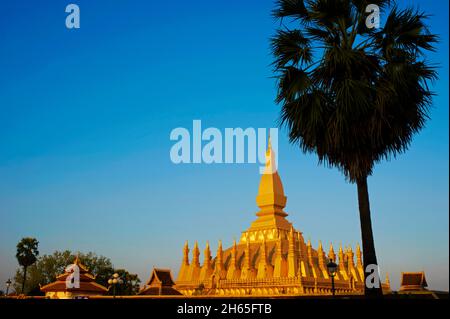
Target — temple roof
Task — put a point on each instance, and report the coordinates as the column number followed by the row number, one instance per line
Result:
column 413, row 281
column 87, row 281
column 160, row 283
column 161, row 277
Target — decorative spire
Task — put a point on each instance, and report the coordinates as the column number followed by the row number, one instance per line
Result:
column 309, row 250
column 291, row 248
column 320, row 253
column 186, row 253
column 247, row 262
column 220, row 255
column 234, row 253
column 195, row 255
column 387, row 281
column 279, row 250
column 350, row 256
column 341, row 257
column 263, row 257
column 271, row 199
column 331, row 254
column 358, row 256
column 207, row 254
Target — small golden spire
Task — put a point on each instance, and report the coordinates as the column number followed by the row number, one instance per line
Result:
column 186, row 253
column 77, row 259
column 331, row 254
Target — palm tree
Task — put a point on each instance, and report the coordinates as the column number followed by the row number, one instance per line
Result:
column 351, row 94
column 27, row 252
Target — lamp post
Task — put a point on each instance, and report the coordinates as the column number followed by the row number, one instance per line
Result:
column 113, row 281
column 133, row 286
column 332, row 267
column 8, row 284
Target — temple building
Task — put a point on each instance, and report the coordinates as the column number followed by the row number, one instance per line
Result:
column 271, row 257
column 87, row 287
column 160, row 284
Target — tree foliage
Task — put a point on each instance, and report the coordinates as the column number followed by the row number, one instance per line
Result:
column 47, row 267
column 27, row 252
column 350, row 94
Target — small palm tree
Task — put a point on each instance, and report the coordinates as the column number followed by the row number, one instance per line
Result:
column 351, row 94
column 27, row 252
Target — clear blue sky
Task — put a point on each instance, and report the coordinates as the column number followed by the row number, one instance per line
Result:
column 85, row 118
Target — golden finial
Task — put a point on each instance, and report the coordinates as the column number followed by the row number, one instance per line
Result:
column 77, row 260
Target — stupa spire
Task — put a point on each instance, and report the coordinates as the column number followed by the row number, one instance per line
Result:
column 358, row 256
column 186, row 253
column 207, row 254
column 331, row 254
column 195, row 255
column 247, row 254
column 220, row 255
column 271, row 199
column 234, row 253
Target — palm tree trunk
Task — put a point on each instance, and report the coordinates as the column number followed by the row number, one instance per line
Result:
column 24, row 278
column 369, row 255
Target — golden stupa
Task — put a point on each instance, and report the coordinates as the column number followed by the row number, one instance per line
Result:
column 271, row 257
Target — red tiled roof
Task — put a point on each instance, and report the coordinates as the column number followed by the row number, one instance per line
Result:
column 87, row 283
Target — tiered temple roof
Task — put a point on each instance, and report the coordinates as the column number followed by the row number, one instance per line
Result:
column 87, row 285
column 160, row 283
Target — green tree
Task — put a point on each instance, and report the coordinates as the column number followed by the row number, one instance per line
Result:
column 47, row 267
column 27, row 252
column 351, row 94
column 130, row 284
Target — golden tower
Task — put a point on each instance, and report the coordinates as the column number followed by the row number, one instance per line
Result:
column 271, row 257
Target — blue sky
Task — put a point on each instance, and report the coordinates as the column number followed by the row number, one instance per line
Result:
column 85, row 118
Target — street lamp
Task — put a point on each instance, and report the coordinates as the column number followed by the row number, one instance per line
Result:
column 8, row 284
column 332, row 267
column 134, row 286
column 113, row 281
